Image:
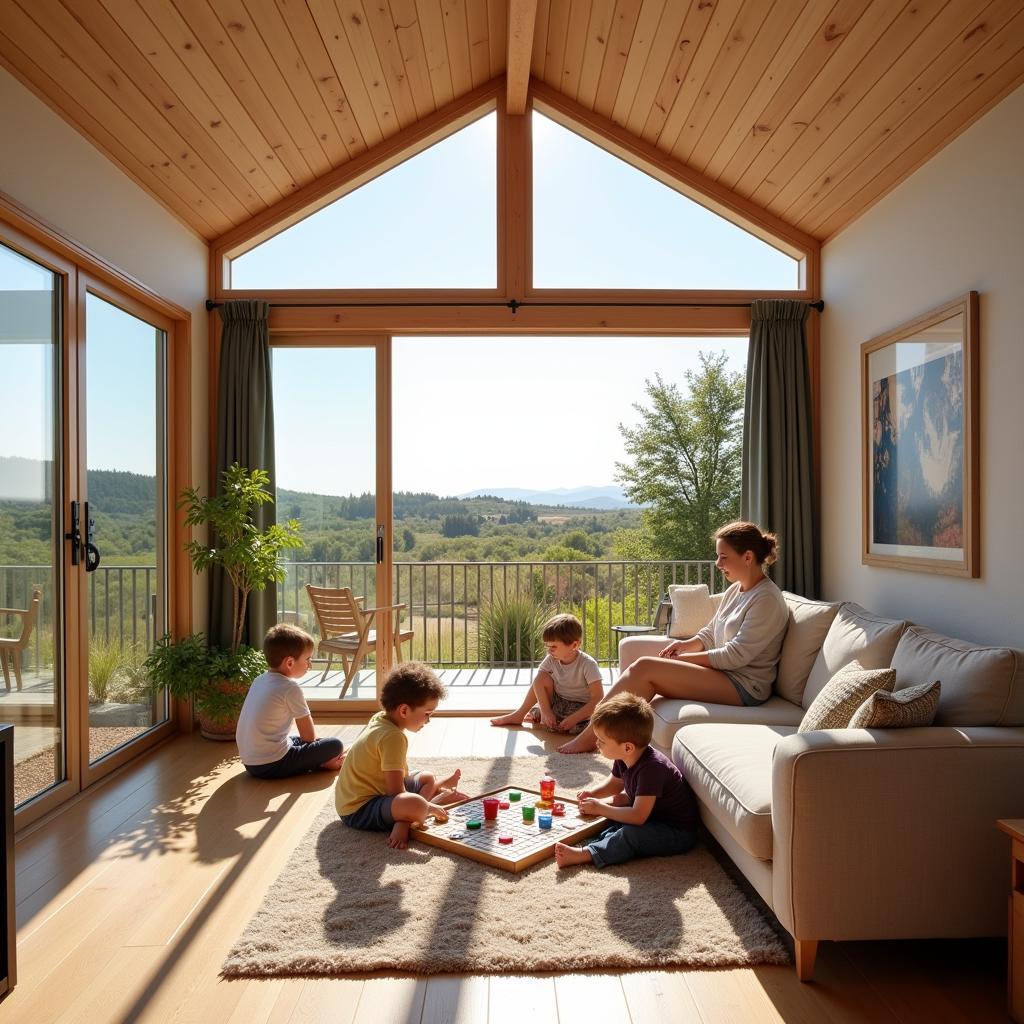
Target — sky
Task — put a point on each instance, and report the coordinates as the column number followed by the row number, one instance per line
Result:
column 469, row 413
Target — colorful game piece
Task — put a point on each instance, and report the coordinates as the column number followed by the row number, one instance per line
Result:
column 514, row 795
column 455, row 835
column 547, row 788
column 504, row 805
column 491, row 808
column 528, row 812
column 558, row 810
column 473, row 823
column 544, row 820
column 505, row 838
column 543, row 805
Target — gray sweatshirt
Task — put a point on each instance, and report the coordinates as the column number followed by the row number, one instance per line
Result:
column 744, row 639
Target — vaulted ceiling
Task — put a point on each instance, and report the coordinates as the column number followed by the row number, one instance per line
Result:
column 809, row 109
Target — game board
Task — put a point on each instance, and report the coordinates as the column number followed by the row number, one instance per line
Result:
column 530, row 843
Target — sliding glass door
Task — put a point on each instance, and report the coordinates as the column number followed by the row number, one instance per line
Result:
column 31, row 602
column 123, row 519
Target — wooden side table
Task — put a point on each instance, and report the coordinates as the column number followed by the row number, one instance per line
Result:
column 1014, row 828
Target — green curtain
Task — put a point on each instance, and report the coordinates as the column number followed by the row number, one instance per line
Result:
column 245, row 434
column 778, row 459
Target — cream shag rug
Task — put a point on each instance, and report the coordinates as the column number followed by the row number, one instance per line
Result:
column 346, row 903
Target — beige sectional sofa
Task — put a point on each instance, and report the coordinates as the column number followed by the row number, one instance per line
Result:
column 857, row 833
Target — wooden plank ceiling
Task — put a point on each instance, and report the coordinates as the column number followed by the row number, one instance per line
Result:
column 810, row 109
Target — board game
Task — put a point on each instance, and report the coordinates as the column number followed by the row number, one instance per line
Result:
column 508, row 842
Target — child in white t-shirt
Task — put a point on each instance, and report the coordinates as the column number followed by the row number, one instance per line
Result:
column 273, row 702
column 567, row 686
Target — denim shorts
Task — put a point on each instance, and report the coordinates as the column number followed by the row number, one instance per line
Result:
column 746, row 697
column 375, row 814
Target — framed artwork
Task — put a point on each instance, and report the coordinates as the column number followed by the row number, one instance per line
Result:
column 920, row 427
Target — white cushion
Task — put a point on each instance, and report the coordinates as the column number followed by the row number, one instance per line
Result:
column 692, row 609
column 855, row 635
column 730, row 770
column 670, row 715
column 809, row 622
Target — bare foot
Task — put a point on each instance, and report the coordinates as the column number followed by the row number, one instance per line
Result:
column 567, row 856
column 452, row 782
column 334, row 764
column 445, row 797
column 512, row 718
column 399, row 835
column 577, row 747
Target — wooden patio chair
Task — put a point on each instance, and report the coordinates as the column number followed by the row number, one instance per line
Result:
column 11, row 647
column 347, row 629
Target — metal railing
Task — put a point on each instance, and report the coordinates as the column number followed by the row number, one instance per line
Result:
column 488, row 613
column 468, row 614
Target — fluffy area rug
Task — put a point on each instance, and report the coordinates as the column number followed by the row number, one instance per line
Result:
column 346, row 903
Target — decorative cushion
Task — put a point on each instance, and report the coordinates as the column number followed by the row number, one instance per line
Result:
column 858, row 634
column 692, row 609
column 843, row 694
column 809, row 622
column 980, row 685
column 916, row 705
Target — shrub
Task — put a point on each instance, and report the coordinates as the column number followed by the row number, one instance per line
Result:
column 105, row 661
column 510, row 630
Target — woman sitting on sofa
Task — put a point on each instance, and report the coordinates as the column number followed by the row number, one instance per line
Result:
column 734, row 658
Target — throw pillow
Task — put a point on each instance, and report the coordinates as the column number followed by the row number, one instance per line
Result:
column 904, row 709
column 692, row 609
column 843, row 694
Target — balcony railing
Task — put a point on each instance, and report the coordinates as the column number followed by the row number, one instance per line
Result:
column 461, row 613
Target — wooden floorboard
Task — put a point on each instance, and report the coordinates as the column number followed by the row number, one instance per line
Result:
column 130, row 898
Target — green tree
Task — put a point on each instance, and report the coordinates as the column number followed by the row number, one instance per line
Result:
column 686, row 458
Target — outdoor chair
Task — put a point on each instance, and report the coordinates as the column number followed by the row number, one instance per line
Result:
column 347, row 629
column 13, row 646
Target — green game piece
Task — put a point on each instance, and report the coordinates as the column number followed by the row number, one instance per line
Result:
column 514, row 795
column 473, row 824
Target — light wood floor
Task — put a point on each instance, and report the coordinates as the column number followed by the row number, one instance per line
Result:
column 129, row 900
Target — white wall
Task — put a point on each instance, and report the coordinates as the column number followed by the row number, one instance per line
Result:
column 957, row 224
column 47, row 167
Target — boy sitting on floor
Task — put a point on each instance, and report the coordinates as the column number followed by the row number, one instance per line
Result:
column 274, row 700
column 653, row 809
column 375, row 791
column 567, row 686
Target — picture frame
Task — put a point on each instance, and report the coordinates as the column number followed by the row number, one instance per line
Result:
column 919, row 422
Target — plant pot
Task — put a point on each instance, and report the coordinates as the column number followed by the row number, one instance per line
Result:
column 221, row 728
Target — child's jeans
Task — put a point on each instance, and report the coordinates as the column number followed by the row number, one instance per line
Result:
column 619, row 843
column 301, row 757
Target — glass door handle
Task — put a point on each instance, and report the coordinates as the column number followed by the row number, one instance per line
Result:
column 92, row 553
column 75, row 534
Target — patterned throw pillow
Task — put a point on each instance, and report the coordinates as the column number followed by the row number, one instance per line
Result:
column 904, row 709
column 843, row 694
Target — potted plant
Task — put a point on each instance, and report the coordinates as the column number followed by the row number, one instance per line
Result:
column 217, row 678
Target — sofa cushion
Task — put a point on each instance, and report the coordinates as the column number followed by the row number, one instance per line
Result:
column 809, row 621
column 843, row 695
column 730, row 770
column 915, row 706
column 980, row 685
column 692, row 609
column 858, row 634
column 670, row 715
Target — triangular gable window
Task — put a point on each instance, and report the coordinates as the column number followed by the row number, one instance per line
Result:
column 430, row 222
column 598, row 222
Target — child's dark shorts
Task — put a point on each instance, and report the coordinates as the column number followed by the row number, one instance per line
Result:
column 375, row 814
column 562, row 709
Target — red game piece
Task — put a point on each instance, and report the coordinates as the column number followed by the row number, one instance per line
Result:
column 505, row 838
column 558, row 810
column 504, row 805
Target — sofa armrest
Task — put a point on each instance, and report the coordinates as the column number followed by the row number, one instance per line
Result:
column 633, row 647
column 891, row 833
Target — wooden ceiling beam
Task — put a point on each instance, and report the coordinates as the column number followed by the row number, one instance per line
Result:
column 522, row 15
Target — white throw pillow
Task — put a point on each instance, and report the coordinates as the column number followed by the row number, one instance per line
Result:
column 692, row 609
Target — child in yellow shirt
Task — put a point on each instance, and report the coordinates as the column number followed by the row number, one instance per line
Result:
column 375, row 790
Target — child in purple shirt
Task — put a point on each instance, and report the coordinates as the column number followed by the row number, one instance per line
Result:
column 652, row 808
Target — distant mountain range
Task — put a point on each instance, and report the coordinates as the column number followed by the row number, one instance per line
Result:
column 608, row 497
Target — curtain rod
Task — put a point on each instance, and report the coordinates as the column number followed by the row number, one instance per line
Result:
column 513, row 304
